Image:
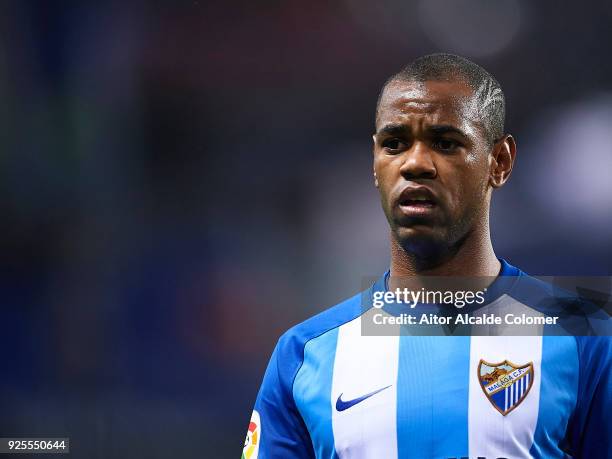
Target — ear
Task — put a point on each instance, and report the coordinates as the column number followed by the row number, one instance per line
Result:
column 501, row 161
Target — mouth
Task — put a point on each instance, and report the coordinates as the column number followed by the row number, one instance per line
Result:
column 416, row 208
column 417, row 202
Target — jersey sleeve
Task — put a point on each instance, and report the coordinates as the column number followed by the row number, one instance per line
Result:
column 592, row 431
column 276, row 429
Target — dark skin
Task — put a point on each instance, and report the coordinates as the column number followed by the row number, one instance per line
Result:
column 435, row 168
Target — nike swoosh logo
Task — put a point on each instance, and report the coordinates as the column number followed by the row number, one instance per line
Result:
column 342, row 405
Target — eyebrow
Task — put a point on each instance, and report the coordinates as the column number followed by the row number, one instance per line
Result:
column 394, row 129
column 446, row 129
column 436, row 129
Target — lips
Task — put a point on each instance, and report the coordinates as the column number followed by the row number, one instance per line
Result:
column 417, row 201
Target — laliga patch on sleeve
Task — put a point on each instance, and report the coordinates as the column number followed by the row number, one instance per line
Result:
column 253, row 438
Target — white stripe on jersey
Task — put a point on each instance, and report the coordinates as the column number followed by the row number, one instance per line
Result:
column 505, row 399
column 490, row 434
column 364, row 364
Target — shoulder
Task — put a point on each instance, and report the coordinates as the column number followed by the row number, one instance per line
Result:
column 579, row 314
column 594, row 351
column 290, row 347
column 288, row 355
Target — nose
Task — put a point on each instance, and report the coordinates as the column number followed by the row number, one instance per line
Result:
column 418, row 162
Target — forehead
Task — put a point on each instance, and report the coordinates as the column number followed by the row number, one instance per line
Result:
column 430, row 102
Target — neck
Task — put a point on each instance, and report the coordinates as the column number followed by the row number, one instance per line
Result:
column 472, row 257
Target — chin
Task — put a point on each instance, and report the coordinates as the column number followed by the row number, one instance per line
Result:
column 422, row 241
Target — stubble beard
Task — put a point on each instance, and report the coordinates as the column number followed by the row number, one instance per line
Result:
column 442, row 243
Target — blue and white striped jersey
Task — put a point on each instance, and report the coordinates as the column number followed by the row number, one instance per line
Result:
column 331, row 392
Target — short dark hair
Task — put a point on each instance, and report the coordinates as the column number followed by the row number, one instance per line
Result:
column 449, row 67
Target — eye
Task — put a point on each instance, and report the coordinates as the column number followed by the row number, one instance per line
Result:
column 393, row 145
column 445, row 144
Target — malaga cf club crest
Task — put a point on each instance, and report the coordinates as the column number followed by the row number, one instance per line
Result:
column 505, row 384
column 253, row 438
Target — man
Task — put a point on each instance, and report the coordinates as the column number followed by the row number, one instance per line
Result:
column 331, row 390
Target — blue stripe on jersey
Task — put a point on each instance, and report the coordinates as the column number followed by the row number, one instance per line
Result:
column 558, row 389
column 433, row 389
column 312, row 392
column 591, row 426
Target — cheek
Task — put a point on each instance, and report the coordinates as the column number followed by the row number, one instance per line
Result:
column 474, row 185
column 467, row 183
column 385, row 175
column 385, row 186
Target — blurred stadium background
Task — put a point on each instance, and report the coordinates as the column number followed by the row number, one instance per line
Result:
column 181, row 182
